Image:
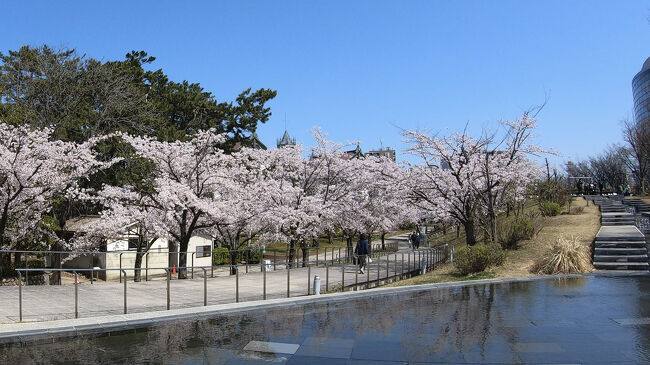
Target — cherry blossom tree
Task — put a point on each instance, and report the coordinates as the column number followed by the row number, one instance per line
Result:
column 469, row 178
column 34, row 169
column 182, row 195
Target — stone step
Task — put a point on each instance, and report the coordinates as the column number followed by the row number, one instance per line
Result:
column 620, row 244
column 640, row 266
column 620, row 251
column 621, row 258
column 616, row 223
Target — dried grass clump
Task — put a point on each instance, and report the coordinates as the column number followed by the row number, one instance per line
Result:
column 566, row 256
column 577, row 210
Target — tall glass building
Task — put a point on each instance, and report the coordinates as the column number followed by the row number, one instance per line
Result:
column 641, row 93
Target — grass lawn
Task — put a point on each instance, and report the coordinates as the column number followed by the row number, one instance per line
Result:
column 518, row 262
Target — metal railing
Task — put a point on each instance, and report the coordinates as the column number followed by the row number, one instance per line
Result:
column 246, row 258
column 393, row 265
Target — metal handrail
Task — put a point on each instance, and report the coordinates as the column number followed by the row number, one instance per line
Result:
column 432, row 256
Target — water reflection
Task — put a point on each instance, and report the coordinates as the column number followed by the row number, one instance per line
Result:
column 479, row 323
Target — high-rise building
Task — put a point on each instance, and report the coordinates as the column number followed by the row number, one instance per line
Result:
column 641, row 93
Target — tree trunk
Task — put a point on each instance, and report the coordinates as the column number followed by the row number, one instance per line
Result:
column 137, row 274
column 470, row 232
column 305, row 253
column 330, row 237
column 182, row 258
column 234, row 254
column 292, row 253
column 383, row 241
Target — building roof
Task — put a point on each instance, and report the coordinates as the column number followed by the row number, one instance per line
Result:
column 286, row 140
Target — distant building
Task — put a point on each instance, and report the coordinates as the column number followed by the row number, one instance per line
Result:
column 383, row 152
column 355, row 153
column 252, row 141
column 286, row 140
column 641, row 93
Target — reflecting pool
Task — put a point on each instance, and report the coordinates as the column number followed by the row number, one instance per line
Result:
column 592, row 319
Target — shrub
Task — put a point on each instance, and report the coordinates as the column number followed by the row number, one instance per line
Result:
column 477, row 258
column 566, row 256
column 511, row 233
column 549, row 209
column 252, row 256
column 220, row 256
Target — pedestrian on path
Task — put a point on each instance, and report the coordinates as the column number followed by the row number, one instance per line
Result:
column 362, row 252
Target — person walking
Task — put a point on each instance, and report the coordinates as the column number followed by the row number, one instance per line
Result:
column 362, row 251
column 417, row 240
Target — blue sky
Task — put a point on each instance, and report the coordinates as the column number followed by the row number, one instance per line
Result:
column 362, row 70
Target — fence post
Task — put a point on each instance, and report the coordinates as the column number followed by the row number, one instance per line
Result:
column 342, row 276
column 387, row 264
column 76, row 295
column 264, row 287
column 248, row 258
column 146, row 265
column 236, row 284
column 193, row 265
column 124, row 272
column 356, row 279
column 121, row 253
column 339, row 256
column 317, row 256
column 20, row 297
column 92, row 270
column 275, row 260
column 409, row 265
column 378, row 269
column 288, row 281
column 367, row 272
column 402, row 274
column 205, row 287
column 308, row 277
column 327, row 277
column 169, row 277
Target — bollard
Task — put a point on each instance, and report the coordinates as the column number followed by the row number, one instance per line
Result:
column 124, row 272
column 316, row 285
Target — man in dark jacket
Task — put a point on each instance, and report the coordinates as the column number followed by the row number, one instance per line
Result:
column 362, row 252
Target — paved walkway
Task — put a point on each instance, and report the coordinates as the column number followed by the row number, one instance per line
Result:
column 43, row 303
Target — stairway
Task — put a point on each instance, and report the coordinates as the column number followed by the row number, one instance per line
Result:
column 620, row 248
column 617, row 219
column 638, row 204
